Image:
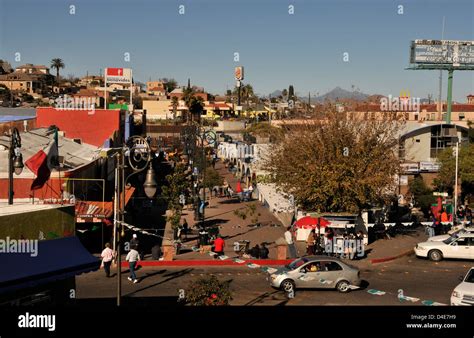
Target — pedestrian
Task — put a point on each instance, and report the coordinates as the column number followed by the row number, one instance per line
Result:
column 185, row 228
column 255, row 252
column 219, row 245
column 431, row 228
column 290, row 243
column 132, row 257
column 134, row 242
column 250, row 191
column 310, row 243
column 263, row 251
column 468, row 215
column 107, row 257
column 460, row 214
column 444, row 216
column 231, row 192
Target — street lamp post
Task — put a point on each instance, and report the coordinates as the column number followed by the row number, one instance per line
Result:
column 456, row 181
column 15, row 161
column 138, row 154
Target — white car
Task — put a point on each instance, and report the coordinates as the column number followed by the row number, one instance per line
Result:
column 460, row 247
column 463, row 294
column 454, row 233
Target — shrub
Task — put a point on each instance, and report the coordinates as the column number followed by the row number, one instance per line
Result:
column 208, row 292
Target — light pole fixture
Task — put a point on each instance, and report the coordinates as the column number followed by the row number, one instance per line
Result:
column 15, row 161
column 138, row 153
column 150, row 183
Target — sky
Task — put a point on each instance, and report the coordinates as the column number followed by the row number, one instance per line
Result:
column 305, row 49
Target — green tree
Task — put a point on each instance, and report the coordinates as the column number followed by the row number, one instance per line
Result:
column 169, row 84
column 174, row 103
column 291, row 93
column 212, row 178
column 264, row 129
column 422, row 194
column 446, row 175
column 57, row 63
column 337, row 164
column 176, row 184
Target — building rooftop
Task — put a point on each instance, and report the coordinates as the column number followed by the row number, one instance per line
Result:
column 74, row 154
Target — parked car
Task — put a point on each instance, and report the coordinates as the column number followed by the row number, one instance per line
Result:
column 315, row 272
column 454, row 233
column 463, row 294
column 461, row 246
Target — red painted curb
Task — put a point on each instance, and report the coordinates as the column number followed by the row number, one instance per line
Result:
column 217, row 262
column 386, row 259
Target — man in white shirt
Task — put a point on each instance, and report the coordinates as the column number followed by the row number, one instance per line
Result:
column 290, row 243
column 132, row 257
column 107, row 257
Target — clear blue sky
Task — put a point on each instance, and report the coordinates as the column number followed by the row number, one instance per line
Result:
column 277, row 49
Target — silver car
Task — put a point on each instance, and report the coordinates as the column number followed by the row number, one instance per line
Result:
column 315, row 272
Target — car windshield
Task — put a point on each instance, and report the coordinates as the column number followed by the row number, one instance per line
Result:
column 450, row 239
column 470, row 277
column 296, row 263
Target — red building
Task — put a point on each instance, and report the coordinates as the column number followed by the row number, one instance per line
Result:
column 99, row 127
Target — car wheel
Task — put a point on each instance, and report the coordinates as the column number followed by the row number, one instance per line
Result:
column 343, row 286
column 288, row 285
column 435, row 255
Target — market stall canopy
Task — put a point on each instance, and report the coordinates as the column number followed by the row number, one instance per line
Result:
column 309, row 222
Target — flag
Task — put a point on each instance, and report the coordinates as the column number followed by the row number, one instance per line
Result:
column 42, row 163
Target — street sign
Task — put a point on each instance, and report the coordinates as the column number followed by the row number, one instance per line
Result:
column 443, row 194
column 442, row 52
column 211, row 137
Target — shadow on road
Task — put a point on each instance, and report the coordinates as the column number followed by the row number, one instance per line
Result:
column 169, row 277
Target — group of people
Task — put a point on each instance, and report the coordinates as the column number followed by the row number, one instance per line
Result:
column 258, row 252
column 317, row 244
column 133, row 257
column 441, row 223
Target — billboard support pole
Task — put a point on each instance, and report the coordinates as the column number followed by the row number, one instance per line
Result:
column 450, row 95
column 105, row 89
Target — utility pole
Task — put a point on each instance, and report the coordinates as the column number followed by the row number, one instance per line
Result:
column 440, row 107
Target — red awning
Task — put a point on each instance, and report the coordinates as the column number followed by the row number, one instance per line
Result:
column 98, row 211
column 309, row 222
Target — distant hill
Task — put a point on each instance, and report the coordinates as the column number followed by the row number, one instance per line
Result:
column 339, row 93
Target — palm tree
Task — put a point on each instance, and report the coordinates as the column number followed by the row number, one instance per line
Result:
column 174, row 103
column 57, row 63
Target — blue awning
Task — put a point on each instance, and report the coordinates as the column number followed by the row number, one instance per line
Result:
column 56, row 259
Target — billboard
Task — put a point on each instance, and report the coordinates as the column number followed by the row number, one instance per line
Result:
column 239, row 73
column 118, row 75
column 442, row 52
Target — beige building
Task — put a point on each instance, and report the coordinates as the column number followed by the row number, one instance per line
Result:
column 158, row 109
column 28, row 78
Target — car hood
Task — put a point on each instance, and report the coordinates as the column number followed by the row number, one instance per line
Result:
column 431, row 244
column 438, row 238
column 465, row 288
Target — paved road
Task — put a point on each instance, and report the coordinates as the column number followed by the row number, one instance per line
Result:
column 417, row 277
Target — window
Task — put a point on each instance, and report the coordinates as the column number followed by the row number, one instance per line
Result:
column 462, row 242
column 332, row 266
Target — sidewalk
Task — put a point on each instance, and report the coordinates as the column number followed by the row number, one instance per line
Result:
column 221, row 212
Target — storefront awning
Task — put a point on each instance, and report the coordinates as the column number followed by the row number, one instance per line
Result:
column 97, row 211
column 56, row 259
